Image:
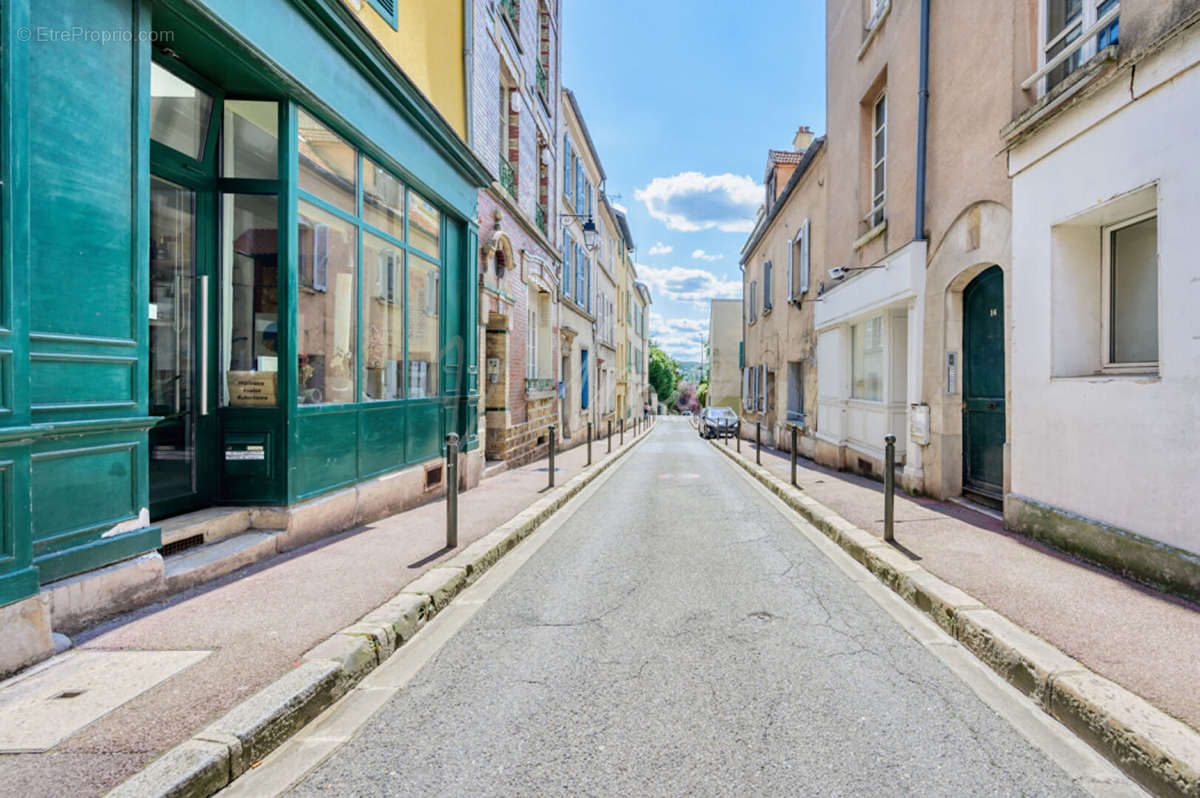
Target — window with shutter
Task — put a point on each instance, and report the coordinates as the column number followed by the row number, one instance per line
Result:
column 762, row 389
column 805, row 257
column 766, row 277
column 387, row 10
column 568, row 263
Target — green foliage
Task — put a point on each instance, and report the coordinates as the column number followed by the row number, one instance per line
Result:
column 664, row 373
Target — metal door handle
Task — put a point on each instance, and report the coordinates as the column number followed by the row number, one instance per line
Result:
column 203, row 344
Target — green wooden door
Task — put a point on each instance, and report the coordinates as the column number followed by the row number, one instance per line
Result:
column 983, row 383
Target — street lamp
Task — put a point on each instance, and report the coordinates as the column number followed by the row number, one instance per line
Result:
column 590, row 233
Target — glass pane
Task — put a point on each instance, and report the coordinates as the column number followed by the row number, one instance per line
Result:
column 424, row 226
column 383, row 304
column 172, row 339
column 867, row 363
column 327, row 164
column 383, row 199
column 1111, row 32
column 423, row 328
column 249, row 337
column 1135, row 293
column 179, row 113
column 251, row 139
column 1060, row 14
column 880, row 112
column 1056, row 75
column 326, row 323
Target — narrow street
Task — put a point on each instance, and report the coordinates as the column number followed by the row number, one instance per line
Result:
column 678, row 635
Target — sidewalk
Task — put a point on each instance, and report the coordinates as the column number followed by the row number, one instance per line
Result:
column 257, row 623
column 1139, row 638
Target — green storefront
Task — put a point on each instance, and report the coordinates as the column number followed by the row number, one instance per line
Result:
column 237, row 268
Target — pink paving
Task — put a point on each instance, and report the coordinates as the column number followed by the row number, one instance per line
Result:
column 1144, row 640
column 258, row 622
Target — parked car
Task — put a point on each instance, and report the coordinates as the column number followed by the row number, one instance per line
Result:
column 717, row 422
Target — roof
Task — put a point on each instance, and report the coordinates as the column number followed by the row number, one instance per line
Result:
column 644, row 290
column 764, row 222
column 587, row 135
column 623, row 223
column 785, row 156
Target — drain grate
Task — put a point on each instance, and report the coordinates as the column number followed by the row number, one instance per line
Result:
column 183, row 544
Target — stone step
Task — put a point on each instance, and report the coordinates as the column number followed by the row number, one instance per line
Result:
column 213, row 523
column 494, row 467
column 211, row 560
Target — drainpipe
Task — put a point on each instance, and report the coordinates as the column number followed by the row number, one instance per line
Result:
column 469, row 67
column 922, row 116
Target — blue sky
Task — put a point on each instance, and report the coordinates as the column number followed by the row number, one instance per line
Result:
column 683, row 98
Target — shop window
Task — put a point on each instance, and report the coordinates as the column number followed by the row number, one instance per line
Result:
column 424, row 328
column 867, row 360
column 328, row 165
column 250, row 145
column 383, row 309
column 424, row 226
column 383, row 201
column 249, row 297
column 179, row 113
column 326, row 324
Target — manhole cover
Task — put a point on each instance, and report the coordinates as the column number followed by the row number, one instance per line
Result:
column 45, row 705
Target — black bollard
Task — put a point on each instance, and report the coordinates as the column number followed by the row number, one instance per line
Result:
column 552, row 455
column 451, row 490
column 609, row 438
column 889, row 486
column 794, row 455
column 758, row 443
column 589, row 462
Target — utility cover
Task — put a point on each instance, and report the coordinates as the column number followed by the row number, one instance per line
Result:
column 48, row 703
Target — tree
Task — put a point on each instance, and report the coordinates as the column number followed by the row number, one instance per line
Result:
column 687, row 399
column 664, row 373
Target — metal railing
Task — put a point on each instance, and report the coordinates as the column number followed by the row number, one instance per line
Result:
column 508, row 177
column 1073, row 47
column 543, row 81
column 539, row 216
column 539, row 384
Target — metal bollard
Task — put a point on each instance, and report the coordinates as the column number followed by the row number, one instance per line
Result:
column 758, row 443
column 738, row 435
column 621, row 441
column 609, row 438
column 451, row 490
column 589, row 462
column 889, row 486
column 551, row 455
column 794, row 456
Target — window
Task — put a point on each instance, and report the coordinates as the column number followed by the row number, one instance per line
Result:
column 762, row 389
column 1065, row 24
column 1131, row 297
column 249, row 296
column 531, row 352
column 568, row 270
column 351, row 207
column 387, row 10
column 795, row 408
column 580, row 275
column 326, row 325
column 568, row 171
column 250, row 139
column 753, row 297
column 747, row 388
column 580, row 190
column 799, row 267
column 510, row 138
column 543, row 62
column 866, row 339
column 878, row 160
column 766, row 278
column 179, row 113
column 770, row 189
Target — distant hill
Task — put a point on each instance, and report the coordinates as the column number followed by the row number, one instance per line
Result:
column 691, row 370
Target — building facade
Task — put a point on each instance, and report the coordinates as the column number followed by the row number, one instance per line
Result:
column 640, row 343
column 515, row 133
column 781, row 279
column 276, row 309
column 1106, row 355
column 583, row 176
column 725, row 353
column 606, row 315
column 624, row 277
column 911, row 338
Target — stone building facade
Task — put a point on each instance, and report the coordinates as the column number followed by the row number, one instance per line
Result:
column 515, row 133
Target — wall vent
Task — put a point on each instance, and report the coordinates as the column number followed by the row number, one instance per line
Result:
column 433, row 477
column 864, row 467
column 183, row 544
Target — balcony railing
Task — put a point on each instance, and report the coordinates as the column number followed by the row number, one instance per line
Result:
column 543, row 81
column 510, row 10
column 508, row 177
column 539, row 216
column 1074, row 47
column 539, row 385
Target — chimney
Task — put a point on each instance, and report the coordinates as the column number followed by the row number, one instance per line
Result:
column 804, row 137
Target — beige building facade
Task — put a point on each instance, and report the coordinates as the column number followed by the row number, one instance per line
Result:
column 725, row 353
column 911, row 333
column 783, row 275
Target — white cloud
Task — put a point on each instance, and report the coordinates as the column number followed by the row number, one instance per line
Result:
column 619, row 206
column 660, row 248
column 688, row 285
column 679, row 337
column 702, row 255
column 693, row 201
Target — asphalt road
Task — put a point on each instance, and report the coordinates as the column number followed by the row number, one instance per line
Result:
column 676, row 635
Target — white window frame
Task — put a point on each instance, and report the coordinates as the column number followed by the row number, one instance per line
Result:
column 877, row 215
column 753, row 313
column 1106, row 280
column 1086, row 28
column 762, row 388
column 747, row 398
column 798, row 414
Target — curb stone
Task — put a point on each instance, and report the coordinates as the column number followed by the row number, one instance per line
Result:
column 1154, row 749
column 212, row 758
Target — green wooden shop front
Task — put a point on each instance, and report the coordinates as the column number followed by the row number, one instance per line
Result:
column 238, row 268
